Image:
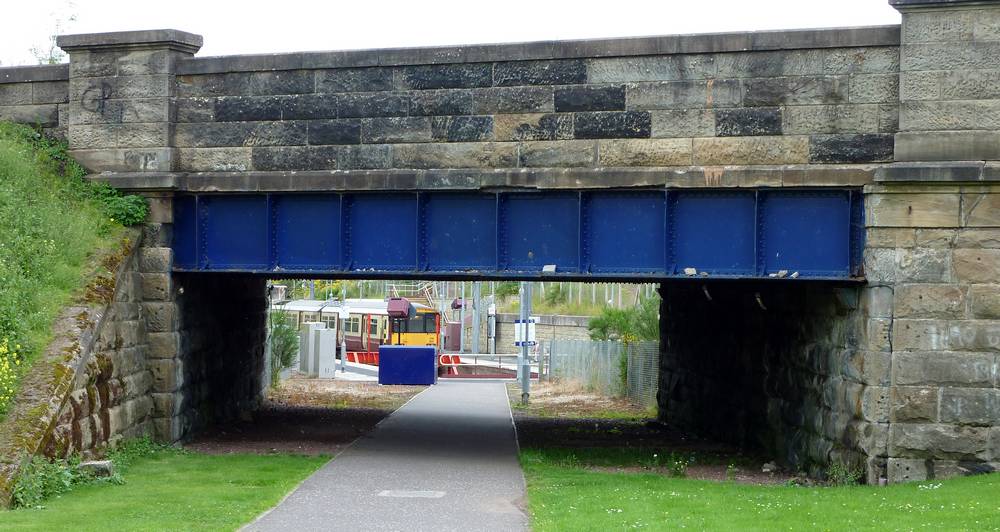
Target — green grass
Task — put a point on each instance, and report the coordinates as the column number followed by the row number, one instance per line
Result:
column 173, row 490
column 50, row 223
column 565, row 496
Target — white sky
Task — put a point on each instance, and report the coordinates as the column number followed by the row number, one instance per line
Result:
column 246, row 27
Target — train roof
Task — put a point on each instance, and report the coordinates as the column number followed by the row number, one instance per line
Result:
column 354, row 306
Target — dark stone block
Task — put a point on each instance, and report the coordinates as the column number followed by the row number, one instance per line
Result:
column 612, row 125
column 247, row 108
column 226, row 84
column 335, row 132
column 748, row 122
column 584, row 98
column 310, row 107
column 453, row 76
column 443, row 102
column 803, row 90
column 354, row 80
column 276, row 134
column 513, row 100
column 372, row 104
column 554, row 72
column 850, row 148
column 462, row 128
column 395, row 129
column 363, row 157
column 322, row 158
column 283, row 158
column 282, row 82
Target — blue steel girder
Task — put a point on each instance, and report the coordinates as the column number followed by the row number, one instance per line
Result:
column 591, row 234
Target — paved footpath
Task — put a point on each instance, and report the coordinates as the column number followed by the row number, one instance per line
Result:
column 447, row 460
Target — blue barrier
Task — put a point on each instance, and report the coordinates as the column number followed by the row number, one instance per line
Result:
column 407, row 364
column 643, row 234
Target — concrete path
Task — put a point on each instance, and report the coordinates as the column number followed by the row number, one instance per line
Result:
column 447, row 460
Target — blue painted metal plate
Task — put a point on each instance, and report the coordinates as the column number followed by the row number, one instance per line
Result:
column 406, row 364
column 235, row 233
column 539, row 230
column 307, row 233
column 615, row 243
column 806, row 232
column 459, row 231
column 382, row 232
column 642, row 235
column 713, row 232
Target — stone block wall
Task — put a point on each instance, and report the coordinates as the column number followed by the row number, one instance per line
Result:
column 111, row 399
column 937, row 248
column 37, row 96
column 791, row 101
column 799, row 372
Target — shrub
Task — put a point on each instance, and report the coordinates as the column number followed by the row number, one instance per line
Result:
column 284, row 345
column 42, row 479
column 844, row 474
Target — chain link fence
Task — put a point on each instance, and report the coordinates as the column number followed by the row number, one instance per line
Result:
column 607, row 367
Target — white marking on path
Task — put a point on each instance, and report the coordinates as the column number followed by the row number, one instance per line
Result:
column 409, row 494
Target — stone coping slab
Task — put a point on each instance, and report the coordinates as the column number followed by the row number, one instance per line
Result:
column 167, row 38
column 904, row 4
column 23, row 74
column 631, row 46
column 479, row 179
column 947, row 172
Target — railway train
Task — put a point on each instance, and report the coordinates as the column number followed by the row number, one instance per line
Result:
column 368, row 325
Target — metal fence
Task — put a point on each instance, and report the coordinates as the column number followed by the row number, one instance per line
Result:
column 599, row 366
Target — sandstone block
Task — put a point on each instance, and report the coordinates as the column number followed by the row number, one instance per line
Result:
column 976, row 265
column 589, row 98
column 651, row 68
column 46, row 115
column 372, row 104
column 608, row 124
column 931, row 440
column 984, row 301
column 157, row 286
column 950, row 115
column 454, row 155
column 944, row 368
column 281, row 82
column 451, row 76
column 909, row 470
column 440, row 102
column 751, row 150
column 571, row 153
column 959, row 55
column 912, row 210
column 668, row 123
column 168, row 374
column 875, row 404
column 156, row 260
column 645, row 152
column 462, row 128
column 914, row 404
column 858, row 148
column 213, row 159
column 890, row 237
column 935, row 238
column 978, row 238
column 818, row 119
column 877, row 301
column 195, row 109
column 741, row 122
column 163, row 344
column 160, row 316
column 683, row 94
column 915, row 86
column 395, row 129
column 920, row 335
column 513, row 100
column 804, row 90
column 167, row 405
column 970, row 406
column 948, row 146
column 877, row 334
column 15, row 93
column 930, row 301
column 535, row 126
column 874, row 88
column 981, row 210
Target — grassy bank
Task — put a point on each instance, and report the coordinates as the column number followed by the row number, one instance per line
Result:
column 51, row 223
column 173, row 490
column 569, row 495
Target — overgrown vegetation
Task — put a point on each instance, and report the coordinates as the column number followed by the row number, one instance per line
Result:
column 565, row 493
column 43, row 479
column 639, row 323
column 284, row 345
column 51, row 221
column 169, row 489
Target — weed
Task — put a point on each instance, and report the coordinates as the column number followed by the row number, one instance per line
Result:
column 844, row 474
column 731, row 471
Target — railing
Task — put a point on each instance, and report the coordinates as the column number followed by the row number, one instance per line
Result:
column 607, row 367
column 477, row 362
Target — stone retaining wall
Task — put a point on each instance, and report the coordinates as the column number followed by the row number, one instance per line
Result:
column 36, row 96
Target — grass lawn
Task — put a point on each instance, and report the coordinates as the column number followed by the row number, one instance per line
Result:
column 564, row 495
column 174, row 491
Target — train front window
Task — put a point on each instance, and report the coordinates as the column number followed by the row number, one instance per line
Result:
column 420, row 324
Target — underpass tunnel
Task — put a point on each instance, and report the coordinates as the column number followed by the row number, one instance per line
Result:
column 773, row 367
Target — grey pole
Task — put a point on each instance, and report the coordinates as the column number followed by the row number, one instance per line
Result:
column 524, row 365
column 476, row 289
column 461, row 321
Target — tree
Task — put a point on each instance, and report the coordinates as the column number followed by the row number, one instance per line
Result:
column 628, row 325
column 51, row 54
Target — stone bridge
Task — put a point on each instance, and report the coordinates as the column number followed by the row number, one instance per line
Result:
column 892, row 363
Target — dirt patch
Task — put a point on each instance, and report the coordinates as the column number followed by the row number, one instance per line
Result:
column 307, row 416
column 568, row 400
column 303, row 391
column 751, row 474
